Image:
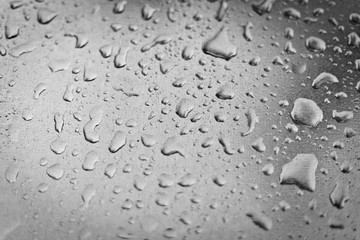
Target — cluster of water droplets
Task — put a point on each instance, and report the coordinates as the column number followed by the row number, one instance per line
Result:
column 180, row 119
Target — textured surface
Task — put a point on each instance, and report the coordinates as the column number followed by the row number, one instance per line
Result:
column 172, row 119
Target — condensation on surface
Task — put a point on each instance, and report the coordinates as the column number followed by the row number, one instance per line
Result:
column 179, row 119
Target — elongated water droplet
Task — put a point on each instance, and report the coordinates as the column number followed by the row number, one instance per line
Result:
column 11, row 174
column 223, row 7
column 120, row 57
column 260, row 219
column 187, row 180
column 23, row 48
column 160, row 39
column 90, row 160
column 252, row 120
column 90, row 129
column 119, row 7
column 343, row 116
column 171, row 147
column 40, row 88
column 148, row 12
column 339, row 195
column 324, row 78
column 117, row 142
column 88, row 193
column 59, row 64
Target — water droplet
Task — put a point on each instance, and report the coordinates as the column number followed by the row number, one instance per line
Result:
column 148, row 12
column 259, row 145
column 120, row 57
column 354, row 18
column 220, row 46
column 306, row 112
column 339, row 195
column 40, row 88
column 166, row 66
column 187, row 180
column 188, row 52
column 90, row 160
column 291, row 13
column 55, row 171
column 117, row 142
column 289, row 33
column 349, row 132
column 268, row 169
column 343, row 116
column 46, row 15
column 160, row 39
column 162, row 199
column 58, row 146
column 263, row 6
column 336, row 223
column 148, row 140
column 59, row 64
column 166, row 180
column 223, row 7
column 81, row 39
column 247, row 33
column 300, row 171
column 219, row 180
column 354, row 39
column 106, row 50
column 43, row 187
column 139, row 182
column 11, row 29
column 119, row 6
column 315, row 44
column 59, row 122
column 11, row 174
column 69, row 92
column 299, row 68
column 27, row 114
column 225, row 142
column 260, row 219
column 324, row 78
column 225, row 92
column 90, row 129
column 184, row 107
column 89, row 73
column 88, row 193
column 23, row 48
column 252, row 120
column 171, row 147
column 110, row 170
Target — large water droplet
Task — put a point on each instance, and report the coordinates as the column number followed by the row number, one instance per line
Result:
column 306, row 112
column 300, row 171
column 220, row 46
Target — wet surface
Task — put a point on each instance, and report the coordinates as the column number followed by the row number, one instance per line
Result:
column 180, row 119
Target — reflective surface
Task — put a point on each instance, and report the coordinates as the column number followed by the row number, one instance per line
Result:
column 179, row 119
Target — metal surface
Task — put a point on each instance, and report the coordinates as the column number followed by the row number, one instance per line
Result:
column 179, row 119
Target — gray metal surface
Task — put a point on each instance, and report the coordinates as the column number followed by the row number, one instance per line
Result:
column 180, row 119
